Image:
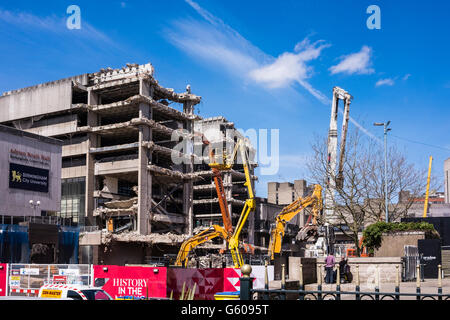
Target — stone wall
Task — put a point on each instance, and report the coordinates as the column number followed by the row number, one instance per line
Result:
column 309, row 267
column 386, row 266
column 392, row 245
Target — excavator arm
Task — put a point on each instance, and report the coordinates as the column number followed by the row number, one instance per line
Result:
column 206, row 235
column 288, row 213
column 249, row 206
column 226, row 232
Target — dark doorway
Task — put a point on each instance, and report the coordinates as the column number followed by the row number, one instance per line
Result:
column 430, row 256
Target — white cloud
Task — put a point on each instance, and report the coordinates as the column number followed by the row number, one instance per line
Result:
column 215, row 42
column 355, row 63
column 406, row 76
column 385, row 82
column 288, row 67
column 52, row 24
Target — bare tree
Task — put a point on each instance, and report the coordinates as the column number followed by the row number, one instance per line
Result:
column 360, row 200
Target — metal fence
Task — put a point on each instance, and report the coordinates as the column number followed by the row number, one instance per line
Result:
column 26, row 279
column 410, row 261
column 247, row 292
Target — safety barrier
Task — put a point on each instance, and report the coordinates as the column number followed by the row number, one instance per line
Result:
column 249, row 293
column 26, row 279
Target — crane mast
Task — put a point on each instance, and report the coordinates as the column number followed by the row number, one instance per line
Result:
column 335, row 180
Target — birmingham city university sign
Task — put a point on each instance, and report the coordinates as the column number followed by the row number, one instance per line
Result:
column 28, row 177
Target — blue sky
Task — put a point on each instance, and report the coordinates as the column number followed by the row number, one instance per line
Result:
column 259, row 64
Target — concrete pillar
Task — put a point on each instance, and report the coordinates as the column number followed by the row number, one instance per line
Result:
column 144, row 176
column 447, row 180
column 188, row 107
column 227, row 180
column 93, row 120
column 188, row 189
column 145, row 88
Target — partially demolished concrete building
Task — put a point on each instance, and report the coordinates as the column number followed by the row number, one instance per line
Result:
column 127, row 160
column 222, row 134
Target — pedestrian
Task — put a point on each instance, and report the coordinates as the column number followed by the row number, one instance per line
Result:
column 343, row 269
column 329, row 266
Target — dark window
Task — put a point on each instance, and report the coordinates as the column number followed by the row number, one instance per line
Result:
column 96, row 295
column 73, row 295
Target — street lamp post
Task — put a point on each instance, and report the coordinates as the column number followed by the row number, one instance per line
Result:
column 35, row 206
column 386, row 129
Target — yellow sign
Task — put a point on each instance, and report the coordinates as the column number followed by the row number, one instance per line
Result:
column 51, row 294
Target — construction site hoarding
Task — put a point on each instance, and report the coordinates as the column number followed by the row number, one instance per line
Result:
column 124, row 281
column 119, row 281
column 207, row 282
column 3, row 279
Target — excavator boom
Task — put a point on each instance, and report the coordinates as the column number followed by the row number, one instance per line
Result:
column 203, row 236
column 249, row 206
column 288, row 213
column 226, row 233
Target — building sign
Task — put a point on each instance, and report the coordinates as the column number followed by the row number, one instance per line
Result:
column 28, row 178
column 59, row 279
column 29, row 271
column 14, row 282
column 121, row 281
column 51, row 294
column 29, row 158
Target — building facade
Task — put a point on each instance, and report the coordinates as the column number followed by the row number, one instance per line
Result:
column 118, row 132
column 127, row 162
column 30, row 174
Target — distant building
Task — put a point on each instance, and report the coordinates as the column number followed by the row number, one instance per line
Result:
column 286, row 192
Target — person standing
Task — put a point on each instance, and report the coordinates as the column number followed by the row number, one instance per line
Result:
column 329, row 266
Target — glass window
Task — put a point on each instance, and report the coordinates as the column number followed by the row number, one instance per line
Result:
column 72, row 199
column 73, row 295
column 96, row 295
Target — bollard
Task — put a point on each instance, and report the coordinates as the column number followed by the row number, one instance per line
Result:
column 283, row 281
column 338, row 275
column 377, row 283
column 397, row 283
column 338, row 283
column 418, row 281
column 439, row 282
column 246, row 283
column 266, row 281
column 319, row 283
column 300, row 280
column 357, row 296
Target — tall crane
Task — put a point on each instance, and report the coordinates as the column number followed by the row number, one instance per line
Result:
column 289, row 212
column 427, row 193
column 334, row 180
column 226, row 233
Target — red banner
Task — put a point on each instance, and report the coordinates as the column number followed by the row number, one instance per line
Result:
column 121, row 281
column 159, row 282
column 208, row 282
column 3, row 279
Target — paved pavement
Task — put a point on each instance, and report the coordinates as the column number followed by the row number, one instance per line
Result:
column 428, row 286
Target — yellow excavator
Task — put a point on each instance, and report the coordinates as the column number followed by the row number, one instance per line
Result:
column 226, row 233
column 289, row 212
